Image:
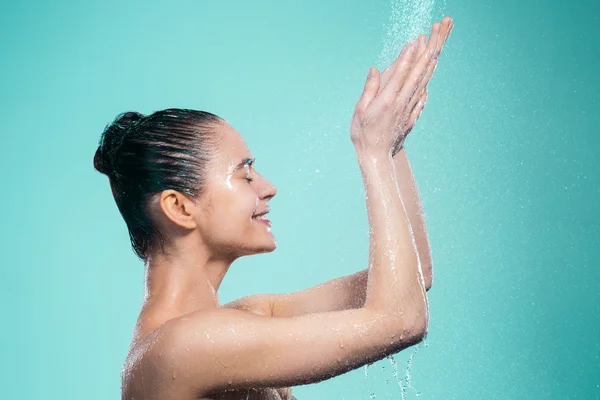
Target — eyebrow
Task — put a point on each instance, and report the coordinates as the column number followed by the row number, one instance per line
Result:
column 245, row 161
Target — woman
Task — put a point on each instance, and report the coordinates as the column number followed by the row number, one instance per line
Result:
column 186, row 186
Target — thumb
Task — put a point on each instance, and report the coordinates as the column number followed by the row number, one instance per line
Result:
column 370, row 90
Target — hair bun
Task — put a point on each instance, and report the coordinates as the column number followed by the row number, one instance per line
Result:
column 111, row 140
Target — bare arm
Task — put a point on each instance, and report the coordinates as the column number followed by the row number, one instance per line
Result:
column 349, row 292
column 345, row 293
column 414, row 208
column 213, row 350
column 231, row 349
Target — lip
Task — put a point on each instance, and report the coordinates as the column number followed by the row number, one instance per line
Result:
column 264, row 221
column 261, row 213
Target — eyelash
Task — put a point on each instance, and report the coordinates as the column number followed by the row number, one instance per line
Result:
column 249, row 179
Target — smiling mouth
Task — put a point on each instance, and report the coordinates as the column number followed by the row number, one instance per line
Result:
column 261, row 215
column 261, row 218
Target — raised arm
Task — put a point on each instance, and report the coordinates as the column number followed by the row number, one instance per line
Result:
column 349, row 291
column 214, row 350
column 404, row 175
column 414, row 208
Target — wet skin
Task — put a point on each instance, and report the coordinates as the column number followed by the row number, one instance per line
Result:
column 208, row 235
column 220, row 228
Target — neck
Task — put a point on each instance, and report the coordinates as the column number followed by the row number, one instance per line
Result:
column 185, row 278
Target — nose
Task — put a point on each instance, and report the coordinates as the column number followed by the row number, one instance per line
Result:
column 267, row 190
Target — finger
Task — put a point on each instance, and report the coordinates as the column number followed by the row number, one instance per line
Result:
column 418, row 110
column 415, row 78
column 370, row 90
column 443, row 35
column 422, row 45
column 401, row 54
column 448, row 34
column 434, row 36
column 450, row 28
column 387, row 73
column 422, row 88
column 419, row 105
column 402, row 70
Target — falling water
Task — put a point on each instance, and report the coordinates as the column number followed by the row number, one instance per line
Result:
column 404, row 383
column 407, row 376
column 408, row 19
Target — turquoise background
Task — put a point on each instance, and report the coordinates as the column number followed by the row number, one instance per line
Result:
column 504, row 155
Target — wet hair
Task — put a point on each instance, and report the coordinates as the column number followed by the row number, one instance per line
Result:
column 144, row 155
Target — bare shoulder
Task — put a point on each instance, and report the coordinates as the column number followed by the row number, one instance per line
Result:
column 153, row 370
column 141, row 375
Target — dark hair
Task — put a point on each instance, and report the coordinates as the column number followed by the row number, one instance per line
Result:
column 144, row 155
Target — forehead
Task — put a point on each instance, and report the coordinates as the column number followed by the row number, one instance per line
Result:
column 232, row 148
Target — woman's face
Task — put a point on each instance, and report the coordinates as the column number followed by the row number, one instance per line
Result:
column 235, row 193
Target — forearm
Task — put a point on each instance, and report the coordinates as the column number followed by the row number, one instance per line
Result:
column 414, row 208
column 350, row 291
column 395, row 284
column 345, row 293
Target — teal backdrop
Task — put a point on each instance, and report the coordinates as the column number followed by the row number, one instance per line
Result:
column 505, row 156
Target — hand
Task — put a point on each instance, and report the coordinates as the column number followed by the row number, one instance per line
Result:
column 438, row 37
column 383, row 117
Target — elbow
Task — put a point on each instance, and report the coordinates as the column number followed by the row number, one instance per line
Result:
column 415, row 328
column 397, row 331
column 428, row 282
column 413, row 331
column 427, row 275
column 419, row 329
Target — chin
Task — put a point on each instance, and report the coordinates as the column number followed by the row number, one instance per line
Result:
column 267, row 248
column 258, row 247
column 265, row 241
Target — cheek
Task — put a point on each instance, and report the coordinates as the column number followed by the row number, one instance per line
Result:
column 248, row 205
column 233, row 206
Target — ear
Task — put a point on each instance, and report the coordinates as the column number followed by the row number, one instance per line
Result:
column 178, row 208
